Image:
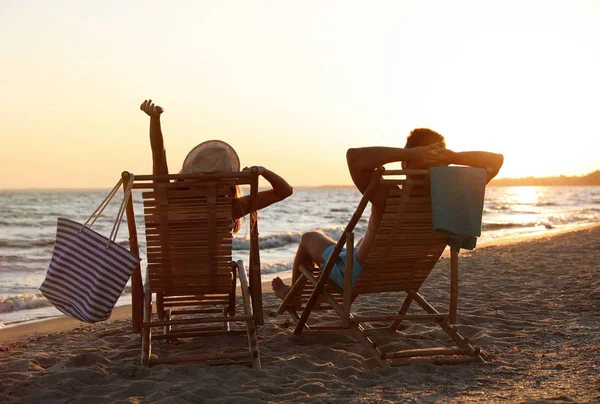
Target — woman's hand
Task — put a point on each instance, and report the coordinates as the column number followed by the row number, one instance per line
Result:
column 150, row 109
column 261, row 169
column 280, row 190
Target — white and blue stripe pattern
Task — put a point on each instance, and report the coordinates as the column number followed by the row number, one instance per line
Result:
column 85, row 279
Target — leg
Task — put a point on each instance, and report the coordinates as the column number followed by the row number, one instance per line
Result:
column 147, row 331
column 231, row 305
column 310, row 251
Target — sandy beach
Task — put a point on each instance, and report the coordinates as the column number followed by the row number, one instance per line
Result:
column 532, row 306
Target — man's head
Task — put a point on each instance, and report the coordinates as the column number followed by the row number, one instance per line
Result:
column 422, row 137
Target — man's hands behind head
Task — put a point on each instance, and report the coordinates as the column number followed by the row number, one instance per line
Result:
column 428, row 156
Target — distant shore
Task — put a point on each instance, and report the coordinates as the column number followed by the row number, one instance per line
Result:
column 591, row 179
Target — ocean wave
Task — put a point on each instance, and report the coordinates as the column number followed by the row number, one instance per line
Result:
column 19, row 268
column 24, row 258
column 499, row 226
column 267, row 242
column 20, row 223
column 548, row 222
column 283, row 239
column 275, row 267
column 20, row 243
column 8, row 304
column 499, row 207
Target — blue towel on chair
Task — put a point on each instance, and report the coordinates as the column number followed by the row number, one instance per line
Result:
column 457, row 203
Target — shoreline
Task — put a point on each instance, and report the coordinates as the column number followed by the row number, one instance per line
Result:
column 531, row 305
column 12, row 332
column 30, row 328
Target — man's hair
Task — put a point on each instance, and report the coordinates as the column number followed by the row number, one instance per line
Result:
column 423, row 137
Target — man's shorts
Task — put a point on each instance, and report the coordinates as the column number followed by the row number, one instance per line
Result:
column 337, row 273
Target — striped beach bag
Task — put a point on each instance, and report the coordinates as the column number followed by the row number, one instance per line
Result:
column 89, row 271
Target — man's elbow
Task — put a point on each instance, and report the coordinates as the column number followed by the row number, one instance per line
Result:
column 499, row 162
column 289, row 191
column 495, row 165
column 352, row 156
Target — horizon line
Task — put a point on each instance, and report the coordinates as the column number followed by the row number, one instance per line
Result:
column 295, row 186
column 32, row 189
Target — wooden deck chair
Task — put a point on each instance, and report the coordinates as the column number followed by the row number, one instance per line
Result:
column 188, row 225
column 404, row 253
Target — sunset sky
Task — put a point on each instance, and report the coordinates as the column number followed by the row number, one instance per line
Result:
column 292, row 85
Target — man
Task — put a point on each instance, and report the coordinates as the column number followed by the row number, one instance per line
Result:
column 424, row 148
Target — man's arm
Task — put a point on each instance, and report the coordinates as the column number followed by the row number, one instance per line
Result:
column 363, row 161
column 159, row 155
column 491, row 162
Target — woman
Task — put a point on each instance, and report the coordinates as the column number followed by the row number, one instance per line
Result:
column 213, row 156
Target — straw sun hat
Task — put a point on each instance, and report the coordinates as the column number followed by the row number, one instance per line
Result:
column 211, row 156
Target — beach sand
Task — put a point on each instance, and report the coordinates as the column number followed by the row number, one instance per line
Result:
column 532, row 306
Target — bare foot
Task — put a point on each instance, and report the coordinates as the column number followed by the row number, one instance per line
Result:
column 280, row 288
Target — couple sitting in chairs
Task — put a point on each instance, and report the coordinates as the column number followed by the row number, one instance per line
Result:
column 424, row 149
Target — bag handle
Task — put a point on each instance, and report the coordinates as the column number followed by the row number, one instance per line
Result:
column 126, row 197
column 101, row 207
column 96, row 214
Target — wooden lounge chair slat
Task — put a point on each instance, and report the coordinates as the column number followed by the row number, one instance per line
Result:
column 194, row 334
column 426, row 352
column 197, row 321
column 168, row 298
column 200, row 358
column 413, row 317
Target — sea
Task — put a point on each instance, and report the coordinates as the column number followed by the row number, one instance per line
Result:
column 28, row 227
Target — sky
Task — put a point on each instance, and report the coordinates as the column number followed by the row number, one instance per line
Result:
column 292, row 85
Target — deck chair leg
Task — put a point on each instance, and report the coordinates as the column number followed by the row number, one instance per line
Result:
column 318, row 290
column 453, row 285
column 335, row 305
column 146, row 330
column 360, row 335
column 403, row 310
column 225, row 312
column 296, row 317
column 231, row 304
column 167, row 317
column 160, row 306
column 450, row 329
column 250, row 324
column 291, row 295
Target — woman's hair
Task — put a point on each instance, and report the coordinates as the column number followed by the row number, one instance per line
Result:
column 237, row 223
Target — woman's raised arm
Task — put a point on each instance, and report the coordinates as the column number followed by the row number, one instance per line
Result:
column 159, row 155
